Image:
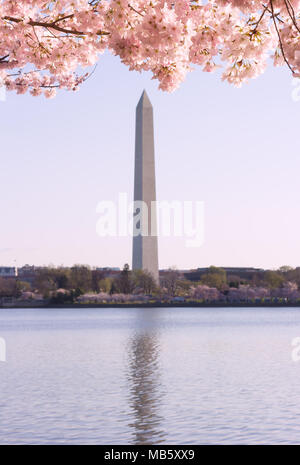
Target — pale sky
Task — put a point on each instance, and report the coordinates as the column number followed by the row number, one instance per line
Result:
column 235, row 149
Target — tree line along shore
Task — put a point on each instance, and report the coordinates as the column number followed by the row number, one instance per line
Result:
column 82, row 286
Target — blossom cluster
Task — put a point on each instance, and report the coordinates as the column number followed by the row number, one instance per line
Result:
column 246, row 293
column 44, row 44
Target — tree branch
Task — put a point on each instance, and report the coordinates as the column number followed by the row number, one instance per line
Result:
column 259, row 20
column 280, row 41
column 52, row 25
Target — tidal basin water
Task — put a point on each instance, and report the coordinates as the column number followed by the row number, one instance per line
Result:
column 149, row 376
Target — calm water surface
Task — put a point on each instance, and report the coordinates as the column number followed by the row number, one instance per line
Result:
column 149, row 376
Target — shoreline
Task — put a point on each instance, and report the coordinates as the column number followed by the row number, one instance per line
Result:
column 155, row 305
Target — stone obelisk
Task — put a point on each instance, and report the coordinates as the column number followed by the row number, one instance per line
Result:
column 145, row 251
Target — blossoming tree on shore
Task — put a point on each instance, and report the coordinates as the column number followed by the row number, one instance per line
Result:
column 44, row 43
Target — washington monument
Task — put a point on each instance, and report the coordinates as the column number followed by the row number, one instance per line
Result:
column 145, row 253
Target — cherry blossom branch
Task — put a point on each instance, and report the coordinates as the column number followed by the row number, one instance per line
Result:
column 52, row 25
column 258, row 22
column 136, row 11
column 164, row 37
column 63, row 18
column 279, row 38
column 291, row 13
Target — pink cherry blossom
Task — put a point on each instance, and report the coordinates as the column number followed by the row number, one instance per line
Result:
column 44, row 44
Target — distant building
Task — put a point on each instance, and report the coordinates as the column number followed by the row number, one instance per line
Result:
column 8, row 272
column 242, row 272
column 109, row 272
column 27, row 273
column 108, row 268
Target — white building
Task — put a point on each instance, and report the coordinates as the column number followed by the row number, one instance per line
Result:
column 8, row 272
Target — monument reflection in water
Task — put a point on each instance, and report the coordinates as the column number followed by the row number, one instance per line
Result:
column 145, row 395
